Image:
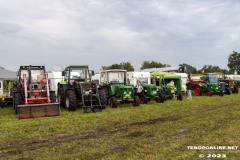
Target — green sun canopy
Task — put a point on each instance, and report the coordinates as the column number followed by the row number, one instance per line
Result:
column 164, row 75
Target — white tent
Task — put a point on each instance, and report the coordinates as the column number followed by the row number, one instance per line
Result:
column 6, row 75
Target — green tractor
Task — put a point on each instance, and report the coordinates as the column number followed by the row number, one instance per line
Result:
column 210, row 85
column 150, row 91
column 77, row 87
column 169, row 85
column 113, row 88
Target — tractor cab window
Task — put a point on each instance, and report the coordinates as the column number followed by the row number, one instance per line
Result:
column 116, row 77
column 158, row 81
column 24, row 72
column 213, row 78
column 143, row 80
column 210, row 78
column 103, row 77
column 37, row 75
column 79, row 74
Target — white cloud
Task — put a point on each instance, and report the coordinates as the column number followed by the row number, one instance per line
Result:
column 104, row 32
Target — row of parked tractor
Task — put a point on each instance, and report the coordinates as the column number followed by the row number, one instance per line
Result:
column 33, row 96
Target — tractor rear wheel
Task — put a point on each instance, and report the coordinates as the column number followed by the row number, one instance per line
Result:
column 17, row 101
column 113, row 102
column 235, row 89
column 71, row 100
column 52, row 97
column 198, row 91
column 136, row 101
column 103, row 94
column 60, row 96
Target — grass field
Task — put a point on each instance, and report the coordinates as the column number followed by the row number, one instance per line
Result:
column 153, row 131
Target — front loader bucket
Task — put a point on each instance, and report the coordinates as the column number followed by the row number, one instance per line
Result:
column 38, row 110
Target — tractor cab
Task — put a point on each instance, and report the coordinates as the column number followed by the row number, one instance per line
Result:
column 113, row 77
column 33, row 74
column 76, row 74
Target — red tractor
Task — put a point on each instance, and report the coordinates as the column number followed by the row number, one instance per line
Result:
column 32, row 96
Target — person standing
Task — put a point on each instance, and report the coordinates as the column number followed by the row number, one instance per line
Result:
column 139, row 88
column 189, row 89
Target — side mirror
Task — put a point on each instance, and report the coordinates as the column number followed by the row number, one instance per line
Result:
column 63, row 73
column 92, row 73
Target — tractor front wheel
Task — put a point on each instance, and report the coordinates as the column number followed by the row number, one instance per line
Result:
column 209, row 93
column 113, row 102
column 71, row 100
column 161, row 98
column 143, row 99
column 221, row 93
column 136, row 101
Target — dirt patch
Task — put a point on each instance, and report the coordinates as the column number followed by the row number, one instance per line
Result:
column 135, row 134
column 117, row 147
column 18, row 146
column 156, row 120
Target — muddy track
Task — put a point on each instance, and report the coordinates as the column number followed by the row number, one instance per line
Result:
column 17, row 146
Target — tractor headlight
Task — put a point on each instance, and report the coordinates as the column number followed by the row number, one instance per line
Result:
column 125, row 92
column 130, row 92
column 145, row 90
column 157, row 90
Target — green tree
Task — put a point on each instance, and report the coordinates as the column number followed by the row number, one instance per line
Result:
column 234, row 62
column 153, row 64
column 125, row 65
column 211, row 69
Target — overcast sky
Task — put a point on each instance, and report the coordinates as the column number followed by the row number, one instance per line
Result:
column 103, row 32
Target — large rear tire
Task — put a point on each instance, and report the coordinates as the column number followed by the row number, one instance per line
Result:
column 235, row 89
column 18, row 100
column 52, row 97
column 103, row 94
column 71, row 100
column 198, row 91
column 60, row 96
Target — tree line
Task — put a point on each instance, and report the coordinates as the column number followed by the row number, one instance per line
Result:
column 233, row 65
